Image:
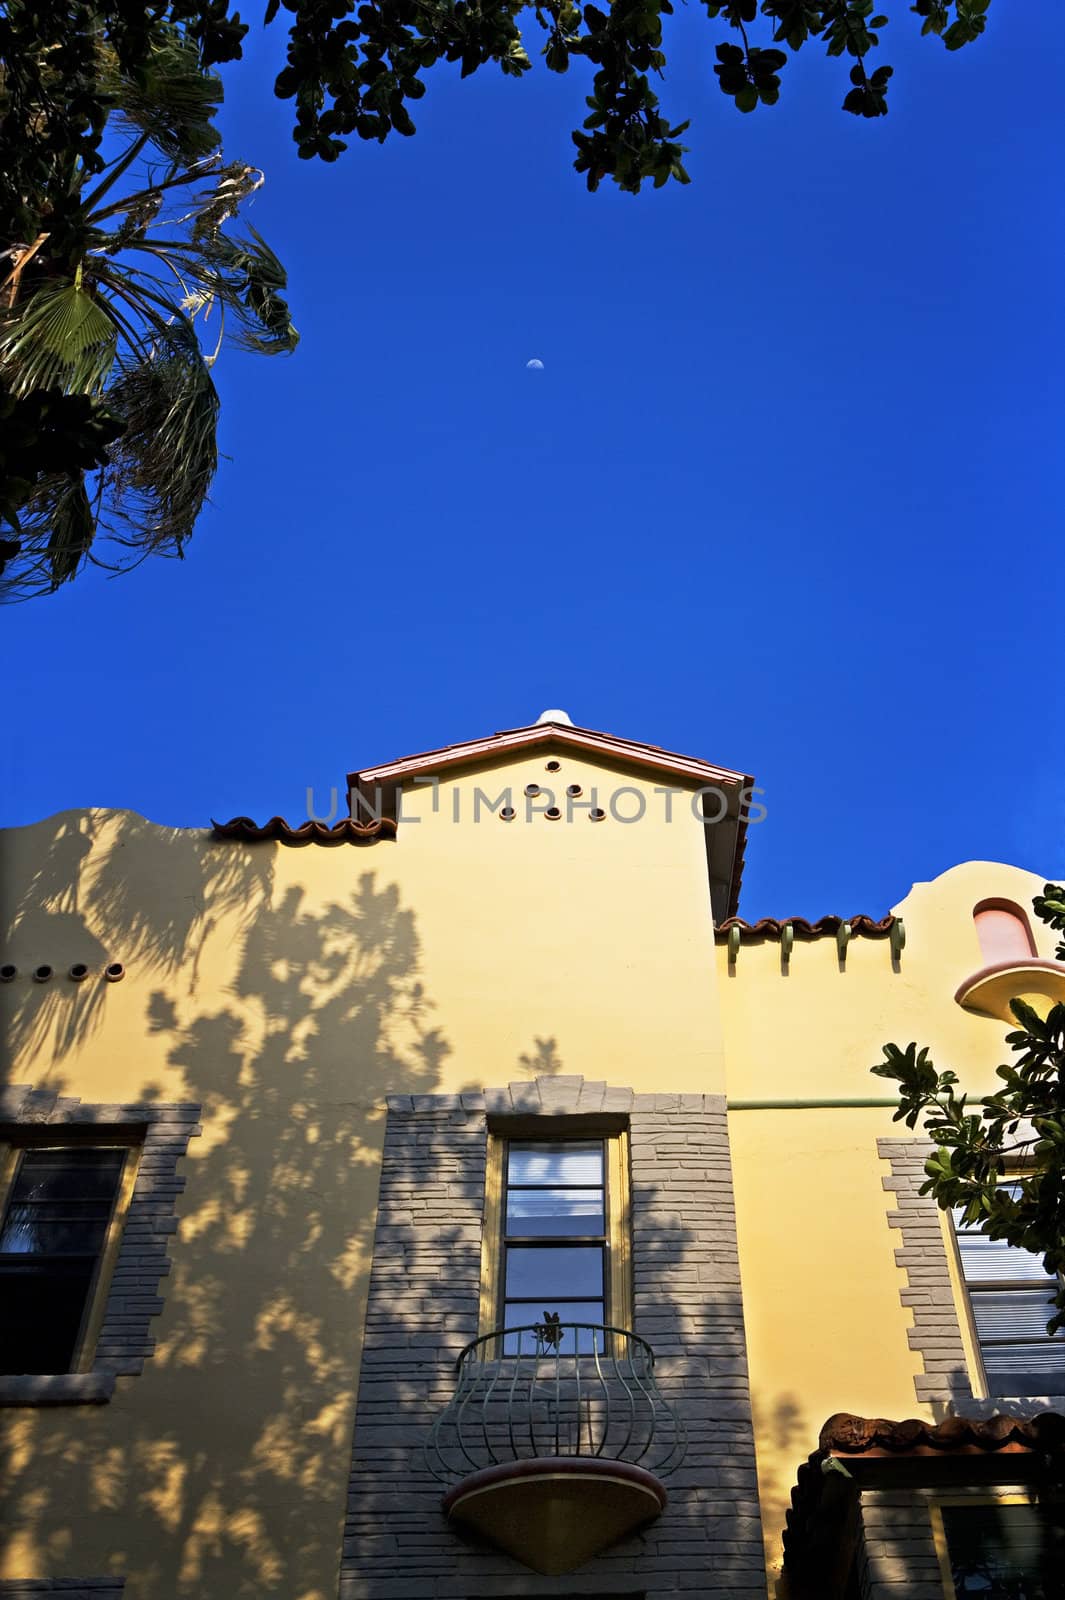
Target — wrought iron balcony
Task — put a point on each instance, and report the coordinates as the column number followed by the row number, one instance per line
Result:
column 555, row 1440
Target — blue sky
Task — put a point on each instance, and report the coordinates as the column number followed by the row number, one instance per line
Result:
column 787, row 493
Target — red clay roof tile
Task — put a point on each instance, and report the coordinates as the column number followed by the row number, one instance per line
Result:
column 845, row 1434
column 770, row 927
column 346, row 831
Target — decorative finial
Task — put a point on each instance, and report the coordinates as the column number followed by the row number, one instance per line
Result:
column 555, row 716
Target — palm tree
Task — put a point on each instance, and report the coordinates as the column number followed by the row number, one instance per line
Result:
column 123, row 290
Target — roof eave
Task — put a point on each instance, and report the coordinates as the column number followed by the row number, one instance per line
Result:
column 630, row 751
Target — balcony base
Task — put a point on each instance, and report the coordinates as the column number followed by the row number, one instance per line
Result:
column 989, row 991
column 557, row 1512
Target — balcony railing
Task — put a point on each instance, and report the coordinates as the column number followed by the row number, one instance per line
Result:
column 555, row 1389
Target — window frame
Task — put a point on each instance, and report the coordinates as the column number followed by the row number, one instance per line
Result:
column 963, row 1294
column 939, row 1530
column 47, row 1137
column 617, row 1273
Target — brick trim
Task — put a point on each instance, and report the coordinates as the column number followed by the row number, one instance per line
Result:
column 56, row 1389
column 423, row 1308
column 936, row 1331
column 133, row 1300
column 72, row 1588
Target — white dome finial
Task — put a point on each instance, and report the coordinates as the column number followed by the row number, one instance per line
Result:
column 555, row 716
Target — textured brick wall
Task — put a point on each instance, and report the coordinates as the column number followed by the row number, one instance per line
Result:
column 133, row 1296
column 897, row 1557
column 423, row 1307
column 936, row 1333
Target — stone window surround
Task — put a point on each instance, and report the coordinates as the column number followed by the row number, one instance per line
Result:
column 936, row 1333
column 932, row 1294
column 124, row 1341
column 397, row 1544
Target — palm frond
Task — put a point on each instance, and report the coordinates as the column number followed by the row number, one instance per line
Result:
column 245, row 276
column 61, row 337
column 163, row 465
column 154, row 265
column 165, row 321
column 146, row 495
column 233, row 183
column 172, row 101
column 71, row 529
column 56, row 532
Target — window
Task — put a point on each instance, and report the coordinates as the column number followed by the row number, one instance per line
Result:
column 555, row 1239
column 58, row 1221
column 1001, row 1550
column 1011, row 1297
column 1003, row 931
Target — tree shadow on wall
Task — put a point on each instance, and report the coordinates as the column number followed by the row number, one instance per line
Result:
column 108, row 886
column 543, row 1060
column 786, row 1431
column 222, row 1469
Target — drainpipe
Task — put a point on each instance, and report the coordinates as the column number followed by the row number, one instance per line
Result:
column 810, row 1105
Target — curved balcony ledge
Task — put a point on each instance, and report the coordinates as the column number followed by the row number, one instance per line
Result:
column 554, row 1441
column 555, row 1513
column 990, row 990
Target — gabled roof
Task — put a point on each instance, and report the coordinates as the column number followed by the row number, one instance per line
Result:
column 372, row 794
column 724, row 840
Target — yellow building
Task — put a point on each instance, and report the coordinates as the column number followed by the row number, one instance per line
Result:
column 298, row 1117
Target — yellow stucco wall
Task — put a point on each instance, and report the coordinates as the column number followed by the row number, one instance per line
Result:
column 289, row 990
column 570, row 946
column 826, row 1329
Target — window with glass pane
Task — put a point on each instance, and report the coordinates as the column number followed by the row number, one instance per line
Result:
column 54, row 1228
column 1005, row 1552
column 1011, row 1295
column 555, row 1243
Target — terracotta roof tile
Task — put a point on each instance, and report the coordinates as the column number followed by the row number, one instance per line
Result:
column 845, row 1434
column 346, row 831
column 769, row 927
